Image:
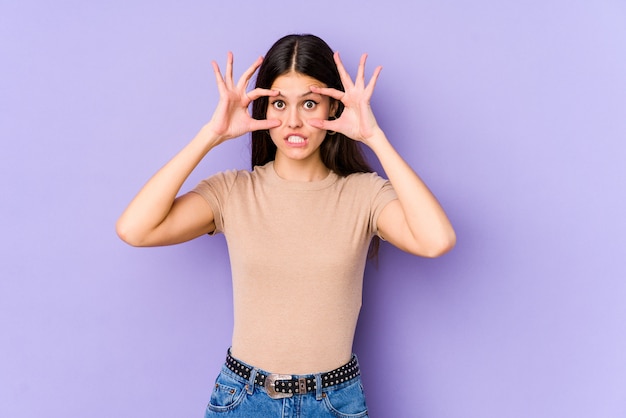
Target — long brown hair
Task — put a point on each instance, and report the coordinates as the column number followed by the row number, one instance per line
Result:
column 311, row 56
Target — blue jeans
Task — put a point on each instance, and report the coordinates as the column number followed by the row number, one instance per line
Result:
column 235, row 397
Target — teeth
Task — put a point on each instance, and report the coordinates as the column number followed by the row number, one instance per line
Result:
column 294, row 139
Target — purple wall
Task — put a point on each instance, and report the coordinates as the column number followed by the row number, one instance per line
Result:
column 513, row 112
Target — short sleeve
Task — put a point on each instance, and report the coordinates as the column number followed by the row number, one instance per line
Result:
column 215, row 190
column 382, row 194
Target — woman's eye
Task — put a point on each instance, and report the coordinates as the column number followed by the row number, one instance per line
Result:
column 278, row 104
column 310, row 104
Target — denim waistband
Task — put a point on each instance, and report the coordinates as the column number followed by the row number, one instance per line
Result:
column 283, row 385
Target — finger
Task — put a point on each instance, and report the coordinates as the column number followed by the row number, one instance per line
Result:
column 263, row 124
column 327, row 91
column 328, row 125
column 360, row 75
column 373, row 79
column 259, row 92
column 218, row 76
column 229, row 69
column 343, row 74
column 247, row 75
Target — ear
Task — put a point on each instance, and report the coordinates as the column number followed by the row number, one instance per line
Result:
column 334, row 106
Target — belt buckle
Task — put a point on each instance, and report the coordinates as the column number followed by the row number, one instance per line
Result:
column 270, row 381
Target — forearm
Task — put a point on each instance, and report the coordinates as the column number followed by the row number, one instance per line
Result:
column 152, row 204
column 425, row 218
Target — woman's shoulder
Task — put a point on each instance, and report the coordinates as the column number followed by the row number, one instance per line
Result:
column 241, row 177
column 363, row 179
column 237, row 175
column 224, row 181
column 367, row 185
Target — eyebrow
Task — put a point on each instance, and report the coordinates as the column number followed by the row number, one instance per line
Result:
column 308, row 93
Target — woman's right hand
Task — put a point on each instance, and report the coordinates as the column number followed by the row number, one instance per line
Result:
column 156, row 216
column 231, row 118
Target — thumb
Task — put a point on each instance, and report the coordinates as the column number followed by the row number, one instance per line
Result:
column 329, row 125
column 262, row 124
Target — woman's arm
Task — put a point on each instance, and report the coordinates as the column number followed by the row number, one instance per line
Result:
column 156, row 216
column 416, row 222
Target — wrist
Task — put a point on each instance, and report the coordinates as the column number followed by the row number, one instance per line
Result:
column 376, row 139
column 209, row 137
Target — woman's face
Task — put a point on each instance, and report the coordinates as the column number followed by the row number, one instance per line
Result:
column 294, row 106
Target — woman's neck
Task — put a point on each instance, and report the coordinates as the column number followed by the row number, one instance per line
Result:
column 300, row 170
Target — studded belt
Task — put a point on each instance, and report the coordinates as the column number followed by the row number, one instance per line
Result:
column 284, row 385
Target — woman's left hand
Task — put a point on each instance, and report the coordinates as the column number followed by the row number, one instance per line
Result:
column 357, row 120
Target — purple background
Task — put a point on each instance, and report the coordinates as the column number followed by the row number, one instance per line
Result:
column 513, row 112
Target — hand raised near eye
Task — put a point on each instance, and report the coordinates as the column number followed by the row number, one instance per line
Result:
column 357, row 120
column 231, row 117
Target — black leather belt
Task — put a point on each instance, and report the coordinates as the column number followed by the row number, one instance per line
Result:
column 284, row 385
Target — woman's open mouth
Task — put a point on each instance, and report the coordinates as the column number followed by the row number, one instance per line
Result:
column 296, row 140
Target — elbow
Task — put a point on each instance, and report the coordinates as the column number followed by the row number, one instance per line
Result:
column 125, row 233
column 439, row 247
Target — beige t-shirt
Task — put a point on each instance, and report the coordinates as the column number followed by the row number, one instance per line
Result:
column 297, row 253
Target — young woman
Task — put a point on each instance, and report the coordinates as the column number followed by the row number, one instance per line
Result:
column 298, row 226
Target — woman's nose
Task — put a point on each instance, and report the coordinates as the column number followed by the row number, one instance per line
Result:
column 293, row 118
